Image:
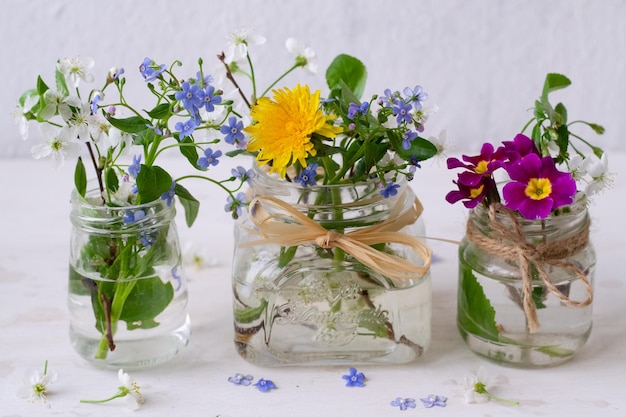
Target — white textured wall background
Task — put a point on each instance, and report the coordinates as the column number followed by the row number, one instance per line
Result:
column 482, row 62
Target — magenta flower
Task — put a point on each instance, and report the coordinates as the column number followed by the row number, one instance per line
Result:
column 478, row 166
column 537, row 187
column 519, row 147
column 471, row 195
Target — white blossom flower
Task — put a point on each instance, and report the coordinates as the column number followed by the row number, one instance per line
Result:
column 55, row 101
column 117, row 137
column 422, row 115
column 197, row 256
column 598, row 170
column 99, row 128
column 475, row 389
column 59, row 144
column 35, row 387
column 129, row 389
column 238, row 42
column 442, row 145
column 77, row 119
column 304, row 55
column 76, row 69
column 19, row 114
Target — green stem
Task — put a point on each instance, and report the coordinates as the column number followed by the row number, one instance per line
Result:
column 278, row 79
column 119, row 394
column 503, row 400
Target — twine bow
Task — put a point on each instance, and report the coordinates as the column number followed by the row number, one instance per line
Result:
column 280, row 223
column 510, row 244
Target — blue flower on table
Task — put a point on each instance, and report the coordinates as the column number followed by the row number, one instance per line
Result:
column 354, row 378
column 403, row 403
column 264, row 385
column 241, row 379
column 434, row 400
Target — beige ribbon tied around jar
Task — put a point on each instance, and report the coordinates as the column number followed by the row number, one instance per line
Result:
column 282, row 224
column 510, row 244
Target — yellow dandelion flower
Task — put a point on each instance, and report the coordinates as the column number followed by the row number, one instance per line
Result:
column 282, row 127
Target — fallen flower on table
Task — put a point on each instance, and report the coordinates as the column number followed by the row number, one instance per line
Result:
column 128, row 389
column 403, row 403
column 354, row 378
column 240, row 379
column 35, row 388
column 264, row 385
column 434, row 400
column 475, row 387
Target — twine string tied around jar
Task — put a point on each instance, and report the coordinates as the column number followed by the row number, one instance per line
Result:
column 280, row 223
column 509, row 243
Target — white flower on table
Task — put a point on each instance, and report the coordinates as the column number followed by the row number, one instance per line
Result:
column 35, row 387
column 129, row 389
column 20, row 112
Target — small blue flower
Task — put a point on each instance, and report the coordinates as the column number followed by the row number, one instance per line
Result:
column 94, row 103
column 307, row 175
column 191, row 95
column 135, row 167
column 241, row 173
column 149, row 70
column 434, row 400
column 354, row 379
column 407, row 138
column 233, row 131
column 210, row 158
column 146, row 240
column 210, row 99
column 390, row 98
column 117, row 74
column 416, row 96
column 187, row 128
column 168, row 196
column 234, row 205
column 177, row 278
column 133, row 216
column 355, row 109
column 240, row 379
column 202, row 81
column 390, row 190
column 403, row 403
column 402, row 111
column 264, row 385
column 155, row 129
column 414, row 161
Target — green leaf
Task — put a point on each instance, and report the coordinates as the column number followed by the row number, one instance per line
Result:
column 190, row 204
column 134, row 124
column 112, row 183
column 160, row 112
column 562, row 112
column 286, row 255
column 552, row 83
column 349, row 70
column 61, row 84
column 421, row 148
column 250, row 314
column 475, row 312
column 152, row 182
column 80, row 177
column 538, row 293
column 555, row 351
column 148, row 298
column 189, row 151
column 41, row 86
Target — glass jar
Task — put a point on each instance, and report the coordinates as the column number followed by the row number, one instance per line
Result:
column 545, row 323
column 312, row 304
column 127, row 288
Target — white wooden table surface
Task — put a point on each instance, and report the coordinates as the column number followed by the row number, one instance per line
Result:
column 34, row 233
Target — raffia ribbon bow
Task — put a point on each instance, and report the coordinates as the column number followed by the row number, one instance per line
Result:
column 280, row 223
column 510, row 244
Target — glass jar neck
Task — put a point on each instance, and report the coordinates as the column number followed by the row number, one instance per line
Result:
column 104, row 219
column 568, row 221
column 336, row 205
